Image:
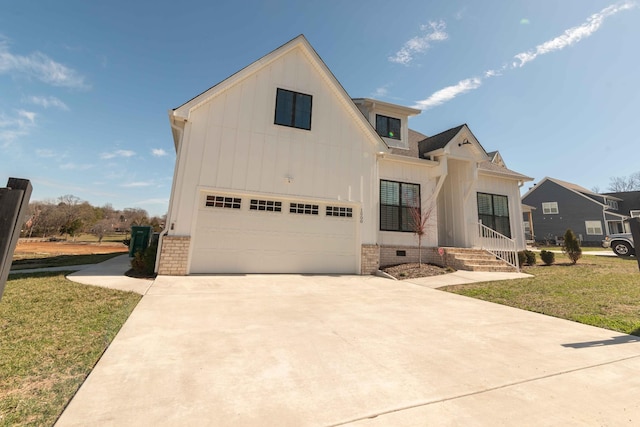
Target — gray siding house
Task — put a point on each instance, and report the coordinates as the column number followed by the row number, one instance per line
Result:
column 629, row 203
column 559, row 205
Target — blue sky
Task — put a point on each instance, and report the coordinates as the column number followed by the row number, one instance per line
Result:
column 85, row 86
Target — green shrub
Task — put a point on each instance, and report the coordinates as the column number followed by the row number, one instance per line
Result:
column 547, row 257
column 145, row 262
column 571, row 246
column 531, row 257
column 522, row 258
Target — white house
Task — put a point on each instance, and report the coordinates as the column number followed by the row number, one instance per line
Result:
column 278, row 170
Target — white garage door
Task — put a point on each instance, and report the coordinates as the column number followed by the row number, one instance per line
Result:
column 250, row 235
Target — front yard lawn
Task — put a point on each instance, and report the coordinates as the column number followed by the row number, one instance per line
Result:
column 599, row 290
column 52, row 332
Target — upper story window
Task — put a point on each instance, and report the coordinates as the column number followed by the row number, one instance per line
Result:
column 293, row 109
column 549, row 208
column 612, row 204
column 388, row 127
column 634, row 214
column 397, row 199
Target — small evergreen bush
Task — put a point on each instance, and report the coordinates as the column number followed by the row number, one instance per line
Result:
column 547, row 257
column 571, row 246
column 522, row 258
column 531, row 257
column 145, row 262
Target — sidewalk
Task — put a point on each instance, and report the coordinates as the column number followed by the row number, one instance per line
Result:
column 107, row 274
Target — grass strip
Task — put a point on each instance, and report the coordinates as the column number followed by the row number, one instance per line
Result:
column 52, row 332
column 599, row 291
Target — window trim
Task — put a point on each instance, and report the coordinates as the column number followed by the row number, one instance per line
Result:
column 634, row 213
column 594, row 233
column 493, row 214
column 399, row 207
column 292, row 121
column 215, row 201
column 550, row 206
column 388, row 120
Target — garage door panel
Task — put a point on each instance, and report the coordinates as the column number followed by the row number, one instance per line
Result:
column 245, row 241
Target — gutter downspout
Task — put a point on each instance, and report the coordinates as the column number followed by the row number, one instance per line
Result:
column 169, row 222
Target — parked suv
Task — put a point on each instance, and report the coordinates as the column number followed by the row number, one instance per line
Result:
column 621, row 244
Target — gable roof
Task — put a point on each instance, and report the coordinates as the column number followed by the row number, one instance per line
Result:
column 440, row 140
column 179, row 115
column 497, row 169
column 575, row 188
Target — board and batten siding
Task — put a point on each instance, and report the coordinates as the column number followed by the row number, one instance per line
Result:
column 504, row 187
column 394, row 170
column 231, row 143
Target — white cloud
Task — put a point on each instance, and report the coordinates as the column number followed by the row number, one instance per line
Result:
column 448, row 93
column 45, row 153
column 46, row 102
column 568, row 38
column 434, row 33
column 572, row 35
column 117, row 153
column 158, row 152
column 75, row 166
column 40, row 66
column 380, row 92
column 29, row 115
column 15, row 126
column 137, row 184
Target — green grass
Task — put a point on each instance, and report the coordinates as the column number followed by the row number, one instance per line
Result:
column 39, row 261
column 600, row 291
column 52, row 332
column 584, row 248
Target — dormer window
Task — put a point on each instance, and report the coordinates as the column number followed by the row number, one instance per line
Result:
column 293, row 109
column 388, row 127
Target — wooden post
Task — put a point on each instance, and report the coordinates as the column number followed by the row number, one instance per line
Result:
column 14, row 201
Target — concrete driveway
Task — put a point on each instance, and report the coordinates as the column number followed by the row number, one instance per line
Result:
column 290, row 350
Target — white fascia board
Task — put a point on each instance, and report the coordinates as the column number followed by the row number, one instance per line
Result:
column 408, row 160
column 506, row 175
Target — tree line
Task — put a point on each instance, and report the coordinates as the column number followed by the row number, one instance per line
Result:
column 69, row 216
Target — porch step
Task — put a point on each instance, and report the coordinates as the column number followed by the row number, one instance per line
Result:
column 476, row 260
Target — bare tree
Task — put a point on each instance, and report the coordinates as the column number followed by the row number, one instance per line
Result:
column 419, row 224
column 625, row 183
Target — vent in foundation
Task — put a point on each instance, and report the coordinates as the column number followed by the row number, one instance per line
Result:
column 401, row 253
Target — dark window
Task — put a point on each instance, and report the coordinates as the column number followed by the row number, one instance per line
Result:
column 265, row 205
column 223, row 202
column 388, row 126
column 301, row 208
column 397, row 199
column 339, row 211
column 293, row 109
column 493, row 212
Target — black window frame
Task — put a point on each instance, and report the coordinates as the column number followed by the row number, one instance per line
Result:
column 293, row 117
column 383, row 126
column 493, row 221
column 397, row 217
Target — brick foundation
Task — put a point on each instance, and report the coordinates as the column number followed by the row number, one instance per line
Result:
column 173, row 256
column 389, row 255
column 370, row 259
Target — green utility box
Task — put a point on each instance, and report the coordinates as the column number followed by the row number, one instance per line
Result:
column 140, row 235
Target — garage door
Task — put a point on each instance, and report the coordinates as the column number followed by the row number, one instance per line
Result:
column 240, row 234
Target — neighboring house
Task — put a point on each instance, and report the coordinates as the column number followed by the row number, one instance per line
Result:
column 560, row 205
column 629, row 203
column 278, row 170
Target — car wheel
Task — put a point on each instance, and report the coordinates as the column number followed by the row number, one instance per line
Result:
column 621, row 248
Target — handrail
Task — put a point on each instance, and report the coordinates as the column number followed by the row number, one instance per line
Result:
column 498, row 244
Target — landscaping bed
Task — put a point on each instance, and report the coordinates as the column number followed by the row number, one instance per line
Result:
column 415, row 270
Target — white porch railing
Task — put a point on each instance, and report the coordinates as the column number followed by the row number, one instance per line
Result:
column 497, row 244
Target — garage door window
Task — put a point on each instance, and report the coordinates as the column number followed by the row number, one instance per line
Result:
column 339, row 211
column 265, row 205
column 302, row 208
column 223, row 202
